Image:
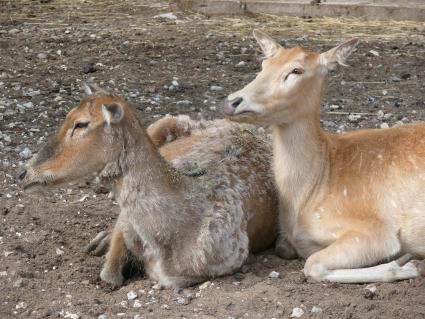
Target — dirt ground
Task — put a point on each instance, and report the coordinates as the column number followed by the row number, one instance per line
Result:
column 178, row 66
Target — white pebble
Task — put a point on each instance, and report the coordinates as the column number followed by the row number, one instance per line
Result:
column 131, row 295
column 274, row 274
column 384, row 125
column 169, row 15
column 297, row 312
column 137, row 304
column 21, row 305
column 375, row 53
column 371, row 288
column 216, row 88
column 316, row 309
column 25, row 153
column 205, row 285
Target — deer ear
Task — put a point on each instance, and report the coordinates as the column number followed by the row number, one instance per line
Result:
column 112, row 113
column 338, row 55
column 93, row 89
column 267, row 44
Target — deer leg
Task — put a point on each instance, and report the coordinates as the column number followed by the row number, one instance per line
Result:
column 284, row 249
column 115, row 259
column 99, row 244
column 342, row 260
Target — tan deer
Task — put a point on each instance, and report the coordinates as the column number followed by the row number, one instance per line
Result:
column 189, row 221
column 349, row 201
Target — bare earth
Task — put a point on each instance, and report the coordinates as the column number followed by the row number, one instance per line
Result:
column 48, row 47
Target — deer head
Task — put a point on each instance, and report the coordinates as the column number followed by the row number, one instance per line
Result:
column 89, row 139
column 289, row 85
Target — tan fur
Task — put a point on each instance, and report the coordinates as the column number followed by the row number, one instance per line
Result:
column 348, row 200
column 187, row 221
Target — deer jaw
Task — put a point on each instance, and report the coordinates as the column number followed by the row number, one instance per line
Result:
column 289, row 85
column 68, row 155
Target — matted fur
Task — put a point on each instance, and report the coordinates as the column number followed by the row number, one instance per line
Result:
column 194, row 217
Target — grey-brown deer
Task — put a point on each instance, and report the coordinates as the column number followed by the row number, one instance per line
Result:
column 349, row 201
column 192, row 213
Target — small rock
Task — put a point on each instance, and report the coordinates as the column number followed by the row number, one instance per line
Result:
column 184, row 103
column 137, row 304
column 369, row 291
column 131, row 295
column 18, row 283
column 42, row 56
column 373, row 52
column 405, row 76
column 384, row 125
column 205, row 285
column 25, row 153
column 380, row 114
column 89, row 67
column 32, row 93
column 101, row 189
column 241, row 64
column 183, row 301
column 28, row 105
column 168, row 15
column 334, row 107
column 316, row 310
column 297, row 312
column 354, row 118
column 103, row 316
column 395, row 79
column 59, row 252
column 274, row 274
column 4, row 211
column 13, row 31
column 21, row 305
column 216, row 88
column 158, row 287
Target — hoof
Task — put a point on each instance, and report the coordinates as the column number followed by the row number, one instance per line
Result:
column 420, row 266
column 285, row 252
column 112, row 278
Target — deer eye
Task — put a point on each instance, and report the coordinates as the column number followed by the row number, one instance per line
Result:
column 297, row 71
column 81, row 125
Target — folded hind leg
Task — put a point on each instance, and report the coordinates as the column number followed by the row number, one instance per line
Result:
column 342, row 261
column 170, row 128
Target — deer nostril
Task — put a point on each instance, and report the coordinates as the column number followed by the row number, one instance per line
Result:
column 236, row 102
column 22, row 174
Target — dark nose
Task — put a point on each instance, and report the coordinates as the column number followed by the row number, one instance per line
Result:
column 235, row 102
column 231, row 105
column 22, row 174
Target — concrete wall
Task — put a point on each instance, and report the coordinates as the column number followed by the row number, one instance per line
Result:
column 365, row 9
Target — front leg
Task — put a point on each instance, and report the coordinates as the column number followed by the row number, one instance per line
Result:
column 284, row 249
column 115, row 259
column 344, row 261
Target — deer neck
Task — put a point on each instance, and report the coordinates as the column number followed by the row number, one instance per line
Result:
column 151, row 192
column 300, row 161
